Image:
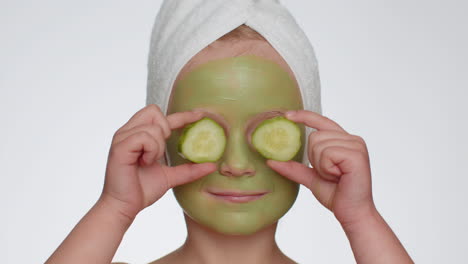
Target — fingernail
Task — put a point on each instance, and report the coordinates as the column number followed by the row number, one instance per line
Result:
column 198, row 113
column 271, row 162
column 290, row 113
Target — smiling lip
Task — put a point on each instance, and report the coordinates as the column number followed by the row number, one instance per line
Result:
column 238, row 196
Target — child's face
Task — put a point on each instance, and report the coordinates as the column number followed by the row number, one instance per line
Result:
column 238, row 93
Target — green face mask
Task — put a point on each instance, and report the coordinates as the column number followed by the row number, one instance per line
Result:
column 236, row 92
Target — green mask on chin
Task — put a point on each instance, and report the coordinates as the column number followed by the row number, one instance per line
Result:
column 238, row 90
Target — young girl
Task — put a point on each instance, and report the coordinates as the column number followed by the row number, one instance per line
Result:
column 232, row 206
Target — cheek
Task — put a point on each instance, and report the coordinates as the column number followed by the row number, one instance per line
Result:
column 285, row 190
column 238, row 219
column 284, row 193
column 228, row 218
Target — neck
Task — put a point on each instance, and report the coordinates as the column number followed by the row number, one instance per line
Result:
column 204, row 245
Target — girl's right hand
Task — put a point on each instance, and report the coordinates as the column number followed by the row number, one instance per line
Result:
column 134, row 177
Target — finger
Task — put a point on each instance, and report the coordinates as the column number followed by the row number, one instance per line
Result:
column 128, row 151
column 188, row 172
column 313, row 120
column 151, row 114
column 349, row 161
column 156, row 133
column 155, row 130
column 180, row 119
column 322, row 189
column 331, row 172
column 295, row 171
column 322, row 135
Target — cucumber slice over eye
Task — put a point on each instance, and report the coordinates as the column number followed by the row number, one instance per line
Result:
column 202, row 141
column 277, row 138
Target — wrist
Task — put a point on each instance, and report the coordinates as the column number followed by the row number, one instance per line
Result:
column 111, row 210
column 372, row 240
column 362, row 217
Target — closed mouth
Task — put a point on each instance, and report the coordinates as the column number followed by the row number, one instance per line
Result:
column 238, row 196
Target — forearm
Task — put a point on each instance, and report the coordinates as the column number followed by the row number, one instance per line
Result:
column 95, row 238
column 373, row 241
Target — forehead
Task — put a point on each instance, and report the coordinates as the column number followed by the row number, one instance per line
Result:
column 220, row 49
column 245, row 77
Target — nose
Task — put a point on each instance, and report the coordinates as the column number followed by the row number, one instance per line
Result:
column 236, row 169
column 237, row 157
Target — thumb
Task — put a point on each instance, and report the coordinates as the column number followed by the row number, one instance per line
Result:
column 188, row 172
column 322, row 189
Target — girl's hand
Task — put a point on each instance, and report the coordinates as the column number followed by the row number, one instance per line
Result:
column 340, row 178
column 134, row 177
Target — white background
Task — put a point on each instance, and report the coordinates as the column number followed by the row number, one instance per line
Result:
column 394, row 72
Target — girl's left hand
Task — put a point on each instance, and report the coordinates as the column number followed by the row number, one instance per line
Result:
column 340, row 176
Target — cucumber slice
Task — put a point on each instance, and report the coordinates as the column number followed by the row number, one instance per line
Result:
column 202, row 141
column 277, row 138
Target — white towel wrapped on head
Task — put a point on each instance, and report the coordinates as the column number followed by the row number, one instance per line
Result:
column 185, row 27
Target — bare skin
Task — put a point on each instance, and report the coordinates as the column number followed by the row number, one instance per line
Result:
column 199, row 245
column 134, row 180
column 340, row 179
column 259, row 247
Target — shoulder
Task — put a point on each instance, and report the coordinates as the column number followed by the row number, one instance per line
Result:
column 164, row 260
column 173, row 257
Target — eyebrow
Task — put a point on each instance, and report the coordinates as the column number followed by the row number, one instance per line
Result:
column 255, row 118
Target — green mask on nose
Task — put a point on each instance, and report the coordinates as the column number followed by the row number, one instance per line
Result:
column 237, row 91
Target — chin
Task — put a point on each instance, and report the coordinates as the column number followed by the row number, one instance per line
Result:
column 237, row 222
column 240, row 231
column 242, row 226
